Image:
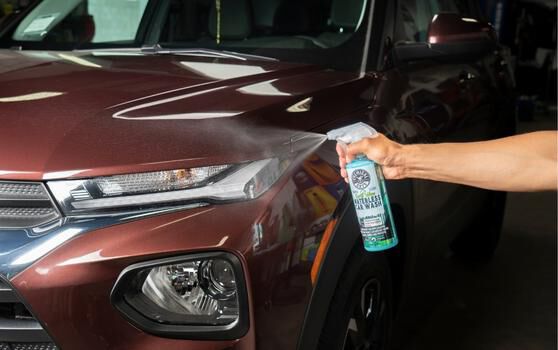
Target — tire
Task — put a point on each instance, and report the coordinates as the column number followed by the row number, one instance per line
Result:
column 480, row 240
column 351, row 323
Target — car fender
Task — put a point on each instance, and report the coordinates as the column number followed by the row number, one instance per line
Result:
column 344, row 236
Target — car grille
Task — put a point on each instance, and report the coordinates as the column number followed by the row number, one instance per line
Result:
column 25, row 205
column 19, row 330
column 28, row 346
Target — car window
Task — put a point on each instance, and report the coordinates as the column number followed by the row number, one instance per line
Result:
column 324, row 32
column 291, row 24
column 82, row 21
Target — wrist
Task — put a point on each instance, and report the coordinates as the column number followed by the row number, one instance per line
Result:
column 408, row 156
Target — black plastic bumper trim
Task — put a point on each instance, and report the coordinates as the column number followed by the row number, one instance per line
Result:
column 22, row 331
column 8, row 296
column 19, row 330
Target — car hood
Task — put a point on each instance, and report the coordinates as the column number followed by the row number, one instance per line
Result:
column 82, row 114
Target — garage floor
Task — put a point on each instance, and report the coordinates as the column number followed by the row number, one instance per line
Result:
column 510, row 302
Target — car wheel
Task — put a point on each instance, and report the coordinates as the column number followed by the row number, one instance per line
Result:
column 360, row 313
column 480, row 240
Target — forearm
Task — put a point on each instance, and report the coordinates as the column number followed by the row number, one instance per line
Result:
column 519, row 163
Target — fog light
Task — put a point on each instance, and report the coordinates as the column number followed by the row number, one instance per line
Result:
column 191, row 289
column 199, row 296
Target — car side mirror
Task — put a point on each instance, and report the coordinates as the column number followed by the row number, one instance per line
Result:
column 450, row 37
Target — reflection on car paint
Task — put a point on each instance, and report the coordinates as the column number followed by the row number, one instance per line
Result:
column 222, row 70
column 40, row 95
column 265, row 88
column 288, row 236
column 79, row 60
column 120, row 114
column 276, row 226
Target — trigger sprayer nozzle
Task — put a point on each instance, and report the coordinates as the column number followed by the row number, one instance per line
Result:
column 352, row 133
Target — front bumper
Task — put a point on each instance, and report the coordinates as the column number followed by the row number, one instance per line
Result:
column 275, row 236
column 69, row 289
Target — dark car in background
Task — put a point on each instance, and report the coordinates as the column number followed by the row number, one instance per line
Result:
column 164, row 184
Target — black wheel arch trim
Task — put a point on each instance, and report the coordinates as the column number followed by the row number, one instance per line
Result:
column 339, row 248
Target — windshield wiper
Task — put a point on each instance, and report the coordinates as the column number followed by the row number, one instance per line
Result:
column 159, row 50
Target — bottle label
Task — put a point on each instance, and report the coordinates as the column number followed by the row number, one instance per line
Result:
column 367, row 197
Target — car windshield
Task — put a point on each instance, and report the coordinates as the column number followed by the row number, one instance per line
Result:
column 261, row 27
column 81, row 21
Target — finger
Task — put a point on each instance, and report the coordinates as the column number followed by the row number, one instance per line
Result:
column 360, row 147
column 342, row 162
column 344, row 173
column 340, row 148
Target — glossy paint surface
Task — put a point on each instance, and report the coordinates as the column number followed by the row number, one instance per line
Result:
column 120, row 113
column 277, row 235
column 111, row 113
column 276, row 238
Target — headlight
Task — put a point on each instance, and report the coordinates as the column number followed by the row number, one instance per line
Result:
column 145, row 191
column 197, row 296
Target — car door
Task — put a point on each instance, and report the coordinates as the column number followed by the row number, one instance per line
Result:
column 432, row 102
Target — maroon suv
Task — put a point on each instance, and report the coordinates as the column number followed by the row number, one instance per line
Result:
column 164, row 183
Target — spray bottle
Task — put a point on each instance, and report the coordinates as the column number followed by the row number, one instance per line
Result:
column 368, row 187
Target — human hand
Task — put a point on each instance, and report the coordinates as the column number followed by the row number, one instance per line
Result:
column 380, row 149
